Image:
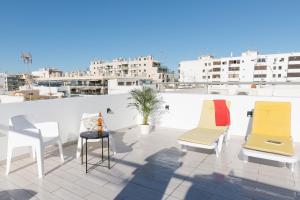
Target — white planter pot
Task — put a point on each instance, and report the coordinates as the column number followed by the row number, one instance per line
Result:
column 145, row 129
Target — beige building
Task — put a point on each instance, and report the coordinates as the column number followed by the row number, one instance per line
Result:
column 144, row 67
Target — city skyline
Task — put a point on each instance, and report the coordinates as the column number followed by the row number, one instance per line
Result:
column 69, row 36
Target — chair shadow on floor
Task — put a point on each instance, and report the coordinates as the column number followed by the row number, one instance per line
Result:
column 156, row 174
column 17, row 194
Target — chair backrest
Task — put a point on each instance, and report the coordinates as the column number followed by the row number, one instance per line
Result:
column 86, row 116
column 21, row 122
column 272, row 119
column 207, row 118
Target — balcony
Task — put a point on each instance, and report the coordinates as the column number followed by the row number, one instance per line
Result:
column 151, row 166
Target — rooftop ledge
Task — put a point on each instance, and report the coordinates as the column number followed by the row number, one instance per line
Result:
column 150, row 167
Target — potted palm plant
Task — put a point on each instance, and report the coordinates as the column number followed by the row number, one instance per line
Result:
column 146, row 101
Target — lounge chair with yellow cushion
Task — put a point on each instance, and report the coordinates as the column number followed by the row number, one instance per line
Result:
column 270, row 137
column 207, row 135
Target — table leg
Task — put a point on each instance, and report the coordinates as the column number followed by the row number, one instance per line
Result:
column 102, row 149
column 108, row 153
column 86, row 156
column 82, row 151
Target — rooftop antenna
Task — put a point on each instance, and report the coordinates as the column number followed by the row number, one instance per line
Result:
column 27, row 59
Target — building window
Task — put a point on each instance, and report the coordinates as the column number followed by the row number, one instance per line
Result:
column 297, row 66
column 260, row 75
column 203, row 70
column 234, row 68
column 260, row 67
column 274, row 67
column 293, row 75
column 205, row 64
column 234, row 62
column 120, row 83
column 279, row 75
column 259, row 60
column 216, row 76
column 294, row 58
column 280, row 67
column 274, row 75
column 216, row 69
column 217, row 63
column 281, row 60
column 233, row 76
column 224, row 63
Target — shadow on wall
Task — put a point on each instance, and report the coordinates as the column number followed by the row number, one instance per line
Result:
column 17, row 194
column 154, row 175
column 219, row 186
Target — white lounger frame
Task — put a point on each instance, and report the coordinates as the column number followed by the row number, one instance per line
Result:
column 290, row 161
column 217, row 146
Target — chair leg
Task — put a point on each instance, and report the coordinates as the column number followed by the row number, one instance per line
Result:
column 219, row 145
column 33, row 153
column 245, row 158
column 112, row 145
column 291, row 166
column 40, row 160
column 8, row 158
column 61, row 151
column 78, row 148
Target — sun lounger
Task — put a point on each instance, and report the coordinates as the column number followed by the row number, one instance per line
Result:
column 207, row 135
column 270, row 137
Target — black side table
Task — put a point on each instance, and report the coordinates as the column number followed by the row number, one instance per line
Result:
column 93, row 135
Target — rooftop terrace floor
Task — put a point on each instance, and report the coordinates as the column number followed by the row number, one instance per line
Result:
column 151, row 167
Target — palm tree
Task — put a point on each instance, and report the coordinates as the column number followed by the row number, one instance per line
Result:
column 146, row 102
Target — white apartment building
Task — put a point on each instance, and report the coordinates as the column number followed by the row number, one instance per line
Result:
column 144, row 67
column 249, row 67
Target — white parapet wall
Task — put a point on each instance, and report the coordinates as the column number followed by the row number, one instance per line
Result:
column 11, row 99
column 67, row 112
column 184, row 111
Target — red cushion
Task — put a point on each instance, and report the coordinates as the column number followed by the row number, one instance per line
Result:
column 222, row 114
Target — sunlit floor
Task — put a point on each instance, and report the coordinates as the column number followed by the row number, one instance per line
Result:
column 151, row 167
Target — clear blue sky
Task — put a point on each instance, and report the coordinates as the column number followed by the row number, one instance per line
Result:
column 69, row 34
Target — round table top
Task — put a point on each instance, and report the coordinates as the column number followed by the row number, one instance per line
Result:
column 94, row 134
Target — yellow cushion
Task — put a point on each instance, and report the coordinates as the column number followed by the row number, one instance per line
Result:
column 207, row 118
column 268, row 144
column 272, row 118
column 202, row 136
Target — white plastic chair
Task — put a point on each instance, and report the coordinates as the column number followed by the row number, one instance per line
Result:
column 38, row 135
column 83, row 128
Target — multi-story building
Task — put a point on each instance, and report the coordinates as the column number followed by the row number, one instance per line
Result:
column 142, row 67
column 47, row 73
column 249, row 67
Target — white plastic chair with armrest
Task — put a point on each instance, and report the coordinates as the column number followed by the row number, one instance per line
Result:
column 83, row 128
column 38, row 135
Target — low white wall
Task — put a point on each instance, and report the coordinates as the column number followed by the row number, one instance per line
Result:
column 185, row 109
column 11, row 99
column 184, row 113
column 67, row 112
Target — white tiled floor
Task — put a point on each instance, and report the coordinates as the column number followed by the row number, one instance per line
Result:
column 151, row 167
